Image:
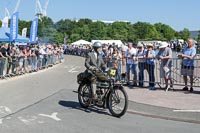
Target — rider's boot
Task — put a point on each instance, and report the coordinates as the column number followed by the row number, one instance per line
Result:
column 94, row 88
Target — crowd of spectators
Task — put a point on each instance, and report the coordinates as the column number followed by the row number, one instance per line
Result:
column 135, row 59
column 128, row 60
column 21, row 59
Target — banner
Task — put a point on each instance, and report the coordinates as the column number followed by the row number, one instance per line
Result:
column 5, row 22
column 14, row 26
column 24, row 30
column 33, row 32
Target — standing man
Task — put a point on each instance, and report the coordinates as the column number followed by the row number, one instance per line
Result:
column 150, row 58
column 187, row 68
column 3, row 56
column 165, row 55
column 131, row 63
column 141, row 63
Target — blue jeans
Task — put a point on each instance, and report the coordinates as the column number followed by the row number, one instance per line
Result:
column 40, row 62
column 33, row 62
column 51, row 59
column 141, row 67
column 54, row 59
column 150, row 70
column 119, row 71
column 2, row 64
column 131, row 67
column 46, row 61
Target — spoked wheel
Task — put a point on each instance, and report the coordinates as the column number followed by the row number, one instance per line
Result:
column 118, row 102
column 84, row 95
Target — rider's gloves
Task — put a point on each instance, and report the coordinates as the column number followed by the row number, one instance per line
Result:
column 93, row 68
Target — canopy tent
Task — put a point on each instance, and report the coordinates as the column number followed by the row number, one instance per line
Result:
column 81, row 42
column 5, row 34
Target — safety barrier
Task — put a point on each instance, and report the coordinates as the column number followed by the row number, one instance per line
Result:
column 175, row 70
column 176, row 76
column 9, row 67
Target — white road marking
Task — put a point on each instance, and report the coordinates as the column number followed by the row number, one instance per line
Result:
column 72, row 66
column 1, row 121
column 5, row 110
column 8, row 118
column 52, row 116
column 28, row 120
column 72, row 70
column 193, row 111
column 40, row 122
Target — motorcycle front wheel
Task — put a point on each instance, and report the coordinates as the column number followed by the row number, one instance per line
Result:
column 117, row 101
column 84, row 93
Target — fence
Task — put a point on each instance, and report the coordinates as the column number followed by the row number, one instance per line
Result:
column 11, row 67
column 176, row 76
column 175, row 70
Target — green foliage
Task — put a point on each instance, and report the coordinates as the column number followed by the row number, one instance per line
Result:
column 145, row 31
column 23, row 24
column 88, row 30
column 198, row 36
column 165, row 31
column 184, row 34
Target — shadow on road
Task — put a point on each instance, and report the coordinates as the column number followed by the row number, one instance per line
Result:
column 76, row 105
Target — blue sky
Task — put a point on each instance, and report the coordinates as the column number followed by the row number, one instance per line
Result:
column 178, row 14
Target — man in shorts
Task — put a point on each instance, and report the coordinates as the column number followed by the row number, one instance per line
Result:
column 165, row 55
column 187, row 67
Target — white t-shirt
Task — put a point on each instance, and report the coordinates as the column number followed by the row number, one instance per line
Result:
column 129, row 55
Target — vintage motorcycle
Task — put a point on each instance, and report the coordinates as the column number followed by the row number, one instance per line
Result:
column 109, row 94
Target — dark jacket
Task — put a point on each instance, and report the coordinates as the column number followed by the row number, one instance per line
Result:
column 91, row 61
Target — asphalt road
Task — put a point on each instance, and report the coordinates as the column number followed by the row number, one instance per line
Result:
column 46, row 102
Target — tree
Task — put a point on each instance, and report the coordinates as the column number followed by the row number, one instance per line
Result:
column 120, row 30
column 198, row 36
column 97, row 30
column 24, row 24
column 88, row 30
column 165, row 31
column 145, row 31
column 75, row 37
column 46, row 30
column 184, row 34
column 83, row 22
column 65, row 26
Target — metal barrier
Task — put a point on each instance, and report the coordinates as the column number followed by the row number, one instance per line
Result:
column 9, row 67
column 175, row 73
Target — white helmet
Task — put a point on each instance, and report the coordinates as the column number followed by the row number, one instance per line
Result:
column 97, row 45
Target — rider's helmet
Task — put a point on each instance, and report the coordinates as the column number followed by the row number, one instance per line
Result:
column 97, row 45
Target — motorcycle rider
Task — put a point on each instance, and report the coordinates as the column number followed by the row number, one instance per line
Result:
column 94, row 61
